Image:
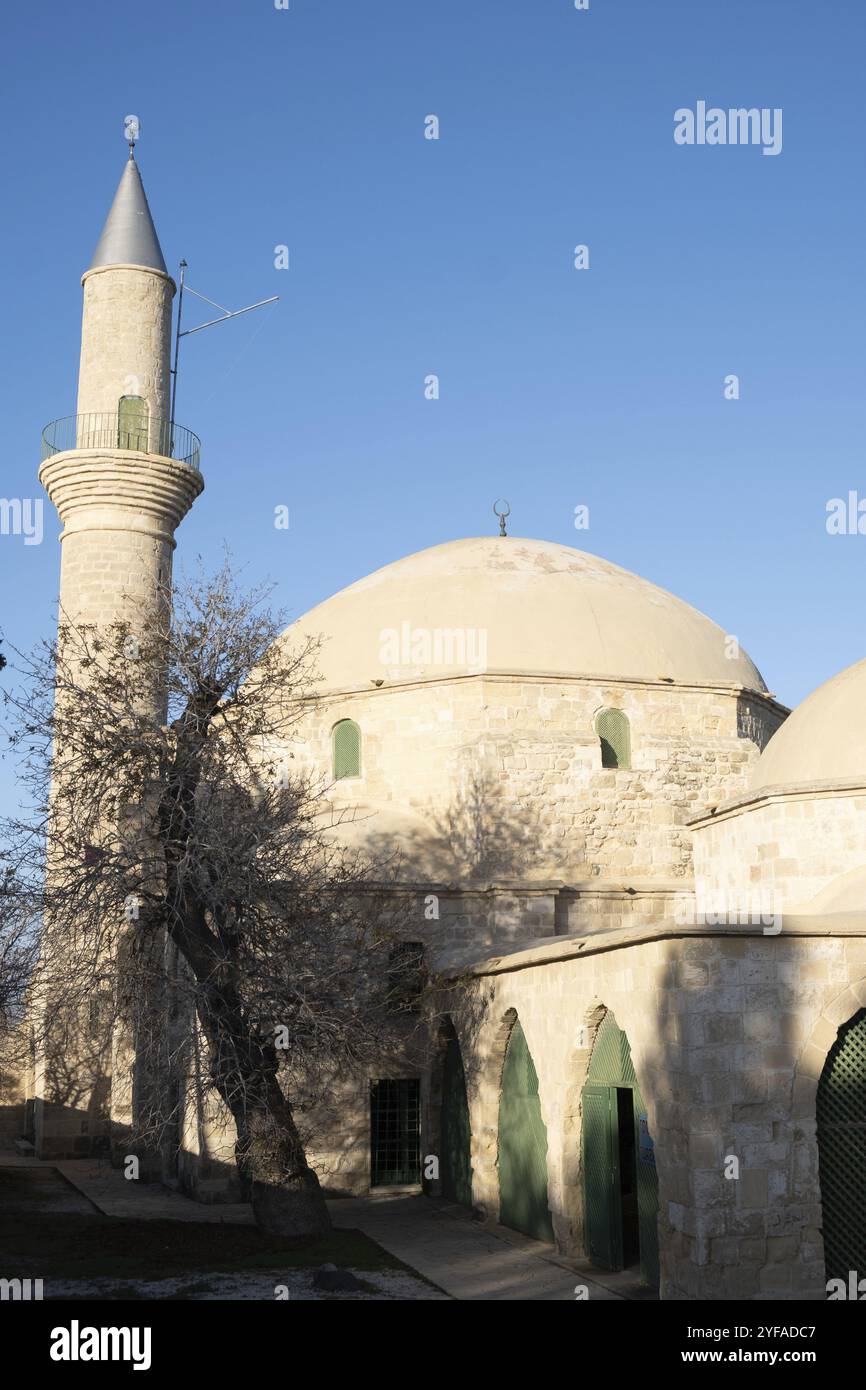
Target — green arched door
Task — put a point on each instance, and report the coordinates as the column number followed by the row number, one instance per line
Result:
column 619, row 1171
column 455, row 1162
column 522, row 1145
column 841, row 1116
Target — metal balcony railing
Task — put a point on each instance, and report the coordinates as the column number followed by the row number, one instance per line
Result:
column 106, row 430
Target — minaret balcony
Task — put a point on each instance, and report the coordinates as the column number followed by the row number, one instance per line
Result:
column 104, row 430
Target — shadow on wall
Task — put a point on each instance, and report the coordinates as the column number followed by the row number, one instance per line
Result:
column 14, row 1123
column 733, row 1116
column 752, row 723
column 481, row 836
column 729, row 1064
column 16, row 1069
column 482, row 1067
column 487, row 839
column 73, row 1120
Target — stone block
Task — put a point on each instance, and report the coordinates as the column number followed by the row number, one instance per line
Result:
column 776, row 1278
column 752, row 1188
column 782, row 1249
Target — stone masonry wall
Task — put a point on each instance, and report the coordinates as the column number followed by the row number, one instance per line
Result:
column 728, row 1036
column 125, row 339
column 787, row 848
column 504, row 772
column 119, row 510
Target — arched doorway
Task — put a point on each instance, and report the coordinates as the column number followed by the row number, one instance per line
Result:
column 841, row 1115
column 455, row 1165
column 522, row 1144
column 619, row 1171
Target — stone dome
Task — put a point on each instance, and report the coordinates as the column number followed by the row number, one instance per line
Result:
column 824, row 740
column 524, row 606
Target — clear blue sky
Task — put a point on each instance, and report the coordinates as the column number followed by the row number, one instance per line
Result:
column 408, row 256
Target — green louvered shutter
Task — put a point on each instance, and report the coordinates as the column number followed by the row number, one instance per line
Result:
column 611, row 1055
column 456, row 1166
column 611, row 1068
column 601, row 1177
column 522, row 1145
column 347, row 749
column 841, row 1116
column 613, row 732
column 132, row 423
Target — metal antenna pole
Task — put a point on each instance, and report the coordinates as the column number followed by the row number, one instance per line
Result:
column 226, row 313
column 177, row 337
column 184, row 333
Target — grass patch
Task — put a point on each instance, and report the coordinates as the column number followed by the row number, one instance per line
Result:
column 188, row 1290
column 68, row 1246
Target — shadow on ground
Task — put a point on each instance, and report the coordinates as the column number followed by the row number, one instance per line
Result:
column 50, row 1231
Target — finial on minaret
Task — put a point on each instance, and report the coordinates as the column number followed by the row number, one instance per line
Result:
column 502, row 515
column 132, row 130
column 129, row 236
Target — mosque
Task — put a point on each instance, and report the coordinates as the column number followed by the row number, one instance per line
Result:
column 641, row 883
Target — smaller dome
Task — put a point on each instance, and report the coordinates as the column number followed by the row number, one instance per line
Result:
column 824, row 740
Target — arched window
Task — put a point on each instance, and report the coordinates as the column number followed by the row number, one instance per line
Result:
column 132, row 423
column 612, row 728
column 347, row 749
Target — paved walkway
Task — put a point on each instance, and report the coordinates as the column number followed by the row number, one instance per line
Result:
column 114, row 1195
column 466, row 1258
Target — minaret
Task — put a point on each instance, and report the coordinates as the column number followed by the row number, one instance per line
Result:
column 118, row 472
column 122, row 478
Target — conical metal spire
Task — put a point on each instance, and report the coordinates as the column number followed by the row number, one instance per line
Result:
column 129, row 236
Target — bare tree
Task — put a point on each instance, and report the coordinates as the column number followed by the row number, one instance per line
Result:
column 193, row 880
column 18, row 952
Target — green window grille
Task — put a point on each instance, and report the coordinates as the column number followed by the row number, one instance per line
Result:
column 841, row 1117
column 132, row 423
column 347, row 749
column 395, row 1132
column 612, row 728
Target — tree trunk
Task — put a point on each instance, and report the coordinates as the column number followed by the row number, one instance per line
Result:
column 286, row 1197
